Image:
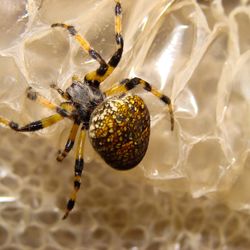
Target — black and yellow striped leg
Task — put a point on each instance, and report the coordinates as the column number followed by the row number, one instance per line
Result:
column 79, row 163
column 70, row 142
column 102, row 72
column 33, row 126
column 128, row 84
column 35, row 96
column 115, row 59
column 105, row 69
column 83, row 42
column 60, row 91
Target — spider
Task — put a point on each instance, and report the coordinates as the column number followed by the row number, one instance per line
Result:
column 117, row 123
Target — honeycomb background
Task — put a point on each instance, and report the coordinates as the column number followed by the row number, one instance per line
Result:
column 191, row 190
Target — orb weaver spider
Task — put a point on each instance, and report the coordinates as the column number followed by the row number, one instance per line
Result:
column 118, row 124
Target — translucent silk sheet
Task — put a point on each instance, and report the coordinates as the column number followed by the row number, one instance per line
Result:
column 196, row 52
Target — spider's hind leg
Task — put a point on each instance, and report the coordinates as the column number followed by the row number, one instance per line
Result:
column 79, row 163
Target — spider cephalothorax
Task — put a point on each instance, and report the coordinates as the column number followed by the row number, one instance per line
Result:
column 85, row 98
column 118, row 123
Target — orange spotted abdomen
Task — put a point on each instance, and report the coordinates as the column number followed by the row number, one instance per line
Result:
column 119, row 131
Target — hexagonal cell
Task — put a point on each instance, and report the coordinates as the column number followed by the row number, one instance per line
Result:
column 3, row 235
column 10, row 182
column 65, row 237
column 48, row 218
column 195, row 220
column 31, row 197
column 102, row 235
column 134, row 237
column 210, row 236
column 12, row 214
column 32, row 237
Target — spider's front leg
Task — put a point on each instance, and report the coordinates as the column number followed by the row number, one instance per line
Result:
column 63, row 94
column 82, row 41
column 79, row 163
column 36, row 97
column 60, row 91
column 102, row 73
column 105, row 69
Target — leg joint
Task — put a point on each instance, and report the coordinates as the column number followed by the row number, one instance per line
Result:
column 147, row 86
column 13, row 125
column 132, row 83
column 115, row 59
column 70, row 204
column 69, row 145
column 77, row 184
column 118, row 9
column 72, row 30
column 119, row 39
column 32, row 95
column 62, row 112
column 165, row 99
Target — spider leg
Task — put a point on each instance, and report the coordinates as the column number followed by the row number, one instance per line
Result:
column 79, row 163
column 83, row 42
column 70, row 142
column 35, row 96
column 115, row 59
column 128, row 84
column 33, row 126
column 60, row 91
column 105, row 69
column 103, row 72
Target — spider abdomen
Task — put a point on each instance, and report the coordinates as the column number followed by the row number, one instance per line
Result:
column 119, row 131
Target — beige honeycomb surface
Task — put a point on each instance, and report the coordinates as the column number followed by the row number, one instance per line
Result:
column 192, row 189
